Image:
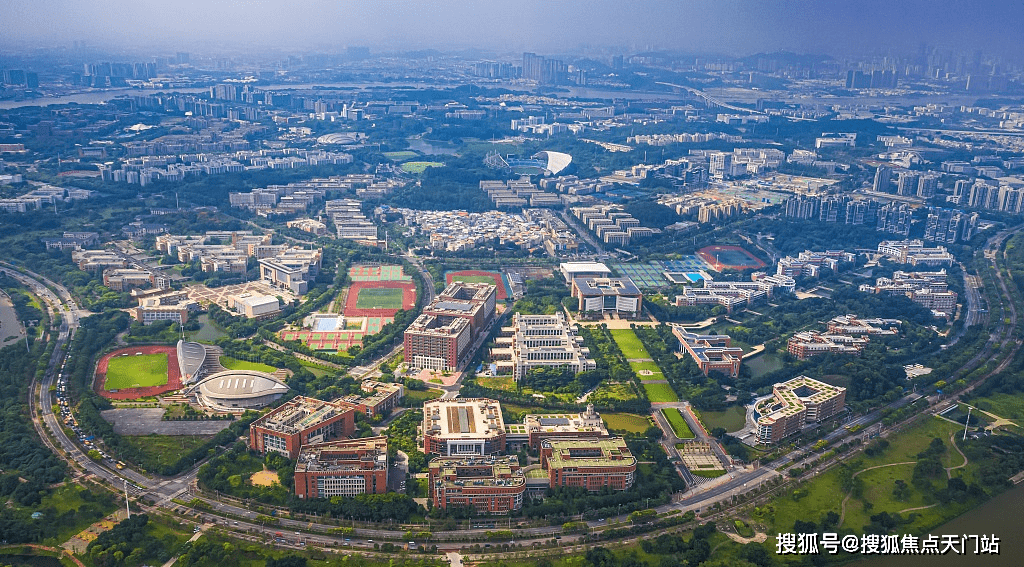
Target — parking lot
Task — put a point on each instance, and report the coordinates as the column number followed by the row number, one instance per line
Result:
column 144, row 421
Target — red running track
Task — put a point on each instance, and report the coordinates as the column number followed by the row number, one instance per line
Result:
column 173, row 374
column 408, row 298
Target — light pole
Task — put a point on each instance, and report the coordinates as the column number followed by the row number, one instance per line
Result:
column 967, row 423
column 126, row 506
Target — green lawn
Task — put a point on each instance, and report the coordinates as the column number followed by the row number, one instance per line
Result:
column 629, row 343
column 505, row 383
column 824, row 493
column 628, row 422
column 423, row 395
column 660, row 393
column 235, row 364
column 678, row 423
column 136, row 371
column 419, row 166
column 731, row 419
column 400, row 156
column 379, row 298
column 1009, row 406
column 158, row 451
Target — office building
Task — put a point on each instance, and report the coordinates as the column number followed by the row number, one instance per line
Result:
column 254, row 306
column 915, row 253
column 607, row 295
column 538, row 428
column 806, row 344
column 163, row 305
column 712, row 353
column 534, row 341
column 798, row 402
column 593, row 464
column 493, row 485
column 928, row 289
column 299, row 422
column 342, row 468
column 463, row 427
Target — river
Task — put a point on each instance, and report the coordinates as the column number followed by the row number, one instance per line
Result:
column 1000, row 516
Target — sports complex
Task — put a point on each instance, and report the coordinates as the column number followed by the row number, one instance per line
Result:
column 138, row 372
column 376, row 294
column 721, row 258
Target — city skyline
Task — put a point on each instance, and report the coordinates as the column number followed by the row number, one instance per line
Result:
column 728, row 28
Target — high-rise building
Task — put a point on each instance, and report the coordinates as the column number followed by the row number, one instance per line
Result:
column 907, row 184
column 883, row 179
column 895, row 218
column 927, row 184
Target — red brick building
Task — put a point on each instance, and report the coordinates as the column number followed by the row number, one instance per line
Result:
column 342, row 468
column 593, row 464
column 302, row 421
column 491, row 485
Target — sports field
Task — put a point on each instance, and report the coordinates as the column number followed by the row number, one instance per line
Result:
column 419, row 166
column 378, row 273
column 479, row 276
column 401, row 155
column 729, row 258
column 136, row 371
column 379, row 298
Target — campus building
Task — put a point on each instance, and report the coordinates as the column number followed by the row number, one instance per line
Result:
column 163, row 305
column 255, row 306
column 710, row 352
column 125, row 279
column 806, row 344
column 463, row 427
column 915, row 253
column 439, row 339
column 535, row 341
column 928, row 289
column 491, row 485
column 437, row 343
column 855, row 327
column 342, row 468
column 734, row 294
column 607, row 295
column 380, row 398
column 538, row 428
column 573, row 270
column 301, row 421
column 593, row 464
column 795, row 403
column 292, row 269
column 238, row 390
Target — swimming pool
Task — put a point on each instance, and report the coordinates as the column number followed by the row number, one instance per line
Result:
column 325, row 323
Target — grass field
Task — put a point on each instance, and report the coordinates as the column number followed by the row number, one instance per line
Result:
column 379, row 298
column 628, row 422
column 158, row 451
column 401, row 156
column 419, row 166
column 504, row 383
column 235, row 364
column 678, row 423
column 708, row 474
column 136, row 371
column 660, row 393
column 731, row 419
column 629, row 343
column 1007, row 406
column 423, row 395
column 824, row 493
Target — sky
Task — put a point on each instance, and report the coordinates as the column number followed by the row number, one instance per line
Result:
column 734, row 27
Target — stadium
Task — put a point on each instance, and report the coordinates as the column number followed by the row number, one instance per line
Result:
column 237, row 390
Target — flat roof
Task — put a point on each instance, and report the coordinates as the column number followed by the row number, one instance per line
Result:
column 584, row 267
column 471, row 418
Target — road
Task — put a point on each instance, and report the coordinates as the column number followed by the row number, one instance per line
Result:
column 162, row 491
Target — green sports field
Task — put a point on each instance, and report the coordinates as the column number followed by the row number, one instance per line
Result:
column 379, row 298
column 419, row 166
column 473, row 279
column 235, row 364
column 136, row 371
column 401, row 155
column 629, row 343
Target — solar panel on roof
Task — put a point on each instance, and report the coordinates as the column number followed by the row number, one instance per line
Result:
column 551, row 421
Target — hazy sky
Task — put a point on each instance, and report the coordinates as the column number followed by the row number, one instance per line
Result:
column 707, row 26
